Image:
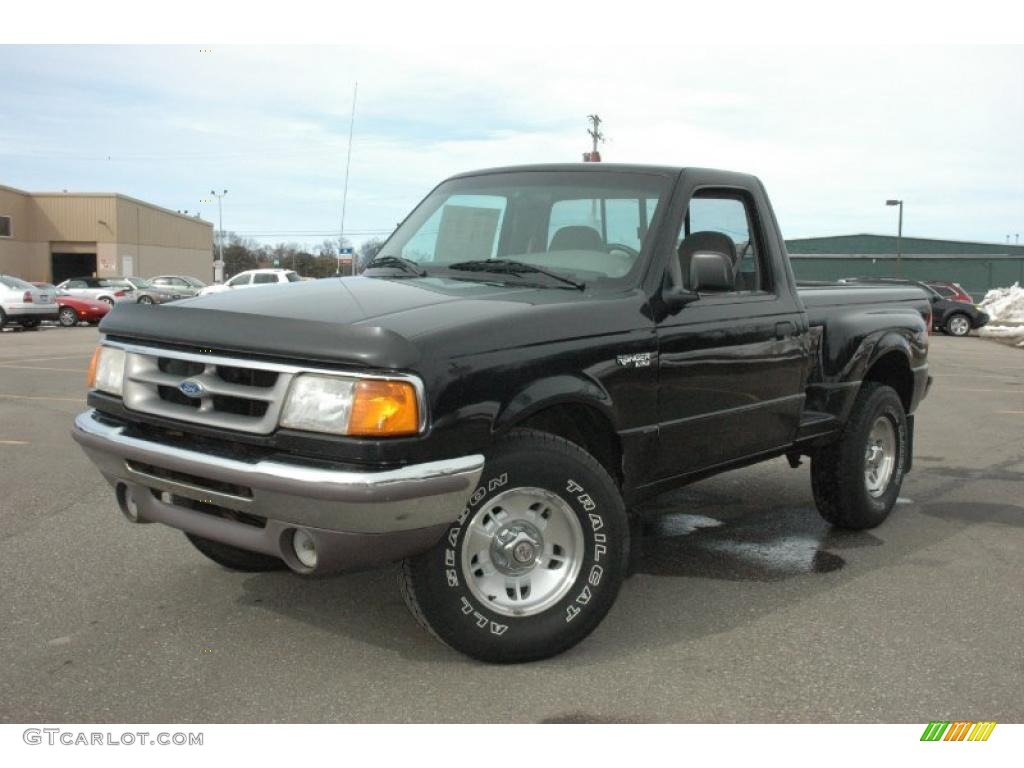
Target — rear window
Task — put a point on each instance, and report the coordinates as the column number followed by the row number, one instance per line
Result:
column 293, row 277
column 15, row 282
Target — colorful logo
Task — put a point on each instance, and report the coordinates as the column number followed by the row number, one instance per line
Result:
column 958, row 730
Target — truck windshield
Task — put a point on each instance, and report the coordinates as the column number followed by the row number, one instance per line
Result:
column 585, row 225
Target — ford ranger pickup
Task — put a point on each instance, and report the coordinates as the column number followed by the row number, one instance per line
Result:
column 534, row 351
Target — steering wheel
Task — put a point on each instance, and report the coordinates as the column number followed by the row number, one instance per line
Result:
column 630, row 253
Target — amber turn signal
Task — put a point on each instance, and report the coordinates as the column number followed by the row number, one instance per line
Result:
column 90, row 377
column 384, row 408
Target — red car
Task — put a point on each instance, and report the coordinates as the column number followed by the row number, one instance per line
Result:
column 74, row 311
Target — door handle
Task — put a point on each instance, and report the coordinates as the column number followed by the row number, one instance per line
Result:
column 784, row 329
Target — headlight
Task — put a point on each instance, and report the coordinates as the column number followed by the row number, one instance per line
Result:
column 106, row 371
column 357, row 407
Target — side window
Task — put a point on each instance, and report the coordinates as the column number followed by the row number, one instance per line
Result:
column 75, row 284
column 465, row 228
column 725, row 221
column 240, row 280
column 262, row 278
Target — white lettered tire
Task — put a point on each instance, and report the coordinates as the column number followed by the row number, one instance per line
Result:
column 535, row 560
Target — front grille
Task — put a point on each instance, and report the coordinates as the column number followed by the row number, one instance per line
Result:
column 243, row 397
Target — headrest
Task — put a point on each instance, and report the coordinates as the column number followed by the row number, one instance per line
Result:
column 706, row 241
column 577, row 238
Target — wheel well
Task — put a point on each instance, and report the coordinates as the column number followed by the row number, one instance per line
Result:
column 893, row 369
column 586, row 427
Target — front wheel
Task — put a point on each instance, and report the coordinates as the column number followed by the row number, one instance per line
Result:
column 958, row 325
column 145, row 299
column 535, row 560
column 67, row 317
column 857, row 479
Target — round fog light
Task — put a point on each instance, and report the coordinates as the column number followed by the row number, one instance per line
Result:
column 305, row 548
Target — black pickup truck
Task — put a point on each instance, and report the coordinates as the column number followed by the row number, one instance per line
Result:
column 534, row 351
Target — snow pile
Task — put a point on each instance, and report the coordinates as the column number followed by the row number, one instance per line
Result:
column 1005, row 306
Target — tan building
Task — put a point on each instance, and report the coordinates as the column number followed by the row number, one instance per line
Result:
column 54, row 236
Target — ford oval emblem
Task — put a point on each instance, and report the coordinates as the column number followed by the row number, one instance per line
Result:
column 191, row 388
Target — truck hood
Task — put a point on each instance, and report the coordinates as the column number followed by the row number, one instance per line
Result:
column 372, row 322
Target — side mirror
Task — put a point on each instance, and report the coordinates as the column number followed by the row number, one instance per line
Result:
column 711, row 272
column 676, row 297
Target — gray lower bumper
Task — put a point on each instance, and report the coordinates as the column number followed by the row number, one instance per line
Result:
column 357, row 518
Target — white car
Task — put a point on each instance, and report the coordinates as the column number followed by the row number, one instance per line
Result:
column 252, row 278
column 24, row 303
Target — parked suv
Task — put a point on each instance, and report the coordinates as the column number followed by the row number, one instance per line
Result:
column 24, row 303
column 252, row 278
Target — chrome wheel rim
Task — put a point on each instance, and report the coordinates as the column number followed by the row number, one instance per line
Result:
column 522, row 551
column 958, row 326
column 68, row 317
column 880, row 456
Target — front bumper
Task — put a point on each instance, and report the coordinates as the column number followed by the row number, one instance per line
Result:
column 356, row 518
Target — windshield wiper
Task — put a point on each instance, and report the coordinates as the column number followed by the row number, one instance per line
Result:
column 397, row 262
column 511, row 267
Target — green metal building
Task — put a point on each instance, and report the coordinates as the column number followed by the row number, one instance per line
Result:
column 976, row 266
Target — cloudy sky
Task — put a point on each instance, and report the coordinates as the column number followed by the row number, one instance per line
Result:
column 833, row 132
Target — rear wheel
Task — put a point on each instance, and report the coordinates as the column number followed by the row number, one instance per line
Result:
column 145, row 299
column 107, row 300
column 67, row 317
column 234, row 558
column 958, row 325
column 535, row 560
column 3, row 318
column 857, row 479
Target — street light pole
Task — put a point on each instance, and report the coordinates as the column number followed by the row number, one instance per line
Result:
column 218, row 269
column 899, row 237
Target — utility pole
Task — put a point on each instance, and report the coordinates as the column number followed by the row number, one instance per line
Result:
column 899, row 237
column 344, row 194
column 596, row 136
column 218, row 268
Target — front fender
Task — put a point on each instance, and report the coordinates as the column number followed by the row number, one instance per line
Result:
column 554, row 390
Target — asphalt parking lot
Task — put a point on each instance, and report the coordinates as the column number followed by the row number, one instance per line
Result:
column 746, row 606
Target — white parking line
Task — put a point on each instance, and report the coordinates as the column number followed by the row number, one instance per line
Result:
column 13, row 442
column 40, row 368
column 37, row 397
column 4, row 360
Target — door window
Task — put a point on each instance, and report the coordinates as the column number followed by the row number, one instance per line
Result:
column 240, row 280
column 263, row 278
column 730, row 214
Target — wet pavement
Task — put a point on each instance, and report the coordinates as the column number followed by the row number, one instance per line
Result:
column 744, row 605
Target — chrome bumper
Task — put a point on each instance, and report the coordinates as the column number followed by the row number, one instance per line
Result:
column 357, row 518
